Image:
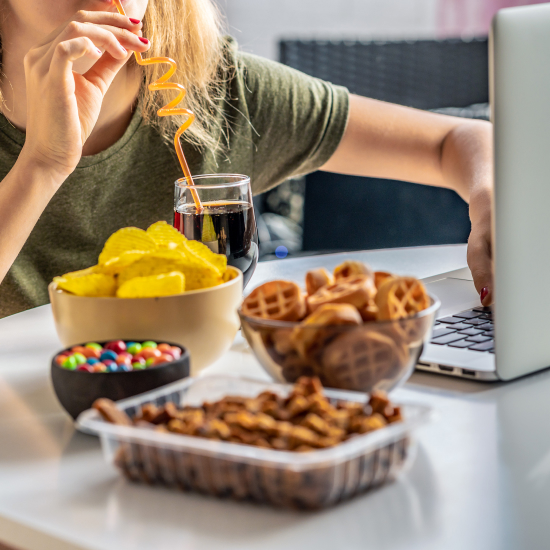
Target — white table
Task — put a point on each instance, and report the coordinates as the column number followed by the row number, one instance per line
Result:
column 481, row 479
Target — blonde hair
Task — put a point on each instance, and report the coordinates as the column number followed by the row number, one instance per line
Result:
column 190, row 32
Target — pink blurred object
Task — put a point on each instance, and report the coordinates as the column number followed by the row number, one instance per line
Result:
column 471, row 17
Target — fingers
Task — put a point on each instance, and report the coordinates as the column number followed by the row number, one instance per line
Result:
column 114, row 40
column 96, row 18
column 102, row 73
column 117, row 41
column 69, row 51
column 481, row 266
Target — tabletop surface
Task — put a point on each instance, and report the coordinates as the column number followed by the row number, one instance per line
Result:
column 479, row 480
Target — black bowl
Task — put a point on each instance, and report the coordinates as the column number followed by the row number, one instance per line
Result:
column 77, row 390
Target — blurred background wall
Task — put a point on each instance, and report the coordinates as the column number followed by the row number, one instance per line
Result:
column 258, row 25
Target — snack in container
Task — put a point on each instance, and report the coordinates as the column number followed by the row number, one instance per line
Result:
column 135, row 263
column 316, row 279
column 363, row 331
column 351, row 268
column 313, row 479
column 278, row 300
column 116, row 369
column 312, row 334
column 357, row 290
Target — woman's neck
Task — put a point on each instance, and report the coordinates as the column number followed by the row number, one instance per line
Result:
column 116, row 110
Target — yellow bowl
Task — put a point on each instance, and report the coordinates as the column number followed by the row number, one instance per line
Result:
column 204, row 321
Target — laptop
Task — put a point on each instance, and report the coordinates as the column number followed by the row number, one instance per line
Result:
column 512, row 338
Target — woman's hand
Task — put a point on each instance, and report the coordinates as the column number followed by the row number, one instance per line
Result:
column 63, row 106
column 479, row 244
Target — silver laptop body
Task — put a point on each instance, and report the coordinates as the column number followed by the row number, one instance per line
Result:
column 520, row 101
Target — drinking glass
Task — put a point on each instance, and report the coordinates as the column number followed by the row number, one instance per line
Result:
column 226, row 224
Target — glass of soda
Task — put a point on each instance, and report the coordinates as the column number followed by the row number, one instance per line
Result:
column 226, row 224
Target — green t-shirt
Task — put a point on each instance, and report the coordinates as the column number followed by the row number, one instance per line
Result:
column 282, row 123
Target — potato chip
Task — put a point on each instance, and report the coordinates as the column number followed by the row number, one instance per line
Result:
column 198, row 272
column 219, row 261
column 177, row 254
column 165, row 235
column 124, row 240
column 156, row 262
column 147, row 267
column 153, row 286
column 115, row 265
column 83, row 272
column 93, row 285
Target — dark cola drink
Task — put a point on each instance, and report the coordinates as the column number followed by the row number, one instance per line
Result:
column 226, row 228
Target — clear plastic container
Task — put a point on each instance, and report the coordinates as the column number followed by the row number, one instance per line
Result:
column 308, row 480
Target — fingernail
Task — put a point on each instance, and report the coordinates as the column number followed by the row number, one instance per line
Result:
column 123, row 49
column 99, row 51
column 483, row 294
column 134, row 21
column 144, row 40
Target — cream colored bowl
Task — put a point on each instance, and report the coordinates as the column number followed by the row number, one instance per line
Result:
column 204, row 321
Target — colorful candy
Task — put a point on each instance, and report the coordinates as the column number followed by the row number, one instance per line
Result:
column 93, row 345
column 79, row 358
column 164, row 358
column 117, row 356
column 149, row 353
column 133, row 348
column 69, row 363
column 118, row 346
column 124, row 359
column 108, row 354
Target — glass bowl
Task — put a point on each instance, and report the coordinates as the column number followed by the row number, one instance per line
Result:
column 376, row 355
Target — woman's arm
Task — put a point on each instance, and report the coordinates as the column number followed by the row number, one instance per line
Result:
column 24, row 194
column 389, row 141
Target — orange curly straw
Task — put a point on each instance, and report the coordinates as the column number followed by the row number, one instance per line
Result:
column 170, row 109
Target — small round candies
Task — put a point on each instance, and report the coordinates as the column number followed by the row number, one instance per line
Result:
column 117, row 356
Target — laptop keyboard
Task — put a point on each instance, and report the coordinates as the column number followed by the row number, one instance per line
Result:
column 472, row 329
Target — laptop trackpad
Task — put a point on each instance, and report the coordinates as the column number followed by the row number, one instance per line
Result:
column 456, row 295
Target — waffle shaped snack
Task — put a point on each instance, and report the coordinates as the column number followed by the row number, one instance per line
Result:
column 362, row 358
column 312, row 333
column 357, row 290
column 357, row 331
column 276, row 300
column 351, row 268
column 401, row 297
column 317, row 279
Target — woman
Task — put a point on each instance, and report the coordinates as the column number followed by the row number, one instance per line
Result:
column 83, row 155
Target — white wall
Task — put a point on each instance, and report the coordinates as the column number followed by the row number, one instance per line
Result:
column 259, row 24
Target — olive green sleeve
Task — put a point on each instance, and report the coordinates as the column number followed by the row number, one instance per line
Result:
column 297, row 121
